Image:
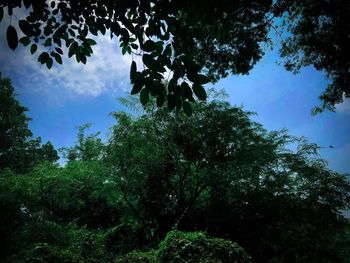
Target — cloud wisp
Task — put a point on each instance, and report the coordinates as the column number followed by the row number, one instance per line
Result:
column 107, row 70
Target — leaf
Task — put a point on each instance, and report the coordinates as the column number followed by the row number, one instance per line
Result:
column 192, row 76
column 136, row 88
column 71, row 32
column 33, row 48
column 59, row 51
column 48, row 42
column 12, row 37
column 201, row 79
column 49, row 63
column 133, row 70
column 72, row 49
column 57, row 57
column 43, row 57
column 1, row 13
column 90, row 42
column 27, row 3
column 172, row 85
column 171, row 102
column 199, row 91
column 144, row 96
column 25, row 41
column 149, row 61
column 102, row 29
column 178, row 104
column 186, row 90
column 149, row 46
column 124, row 49
column 134, row 46
column 26, row 28
column 160, row 100
column 187, row 108
column 83, row 58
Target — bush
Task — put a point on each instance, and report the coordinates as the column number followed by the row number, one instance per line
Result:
column 197, row 247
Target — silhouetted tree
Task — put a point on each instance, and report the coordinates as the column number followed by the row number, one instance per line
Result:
column 18, row 151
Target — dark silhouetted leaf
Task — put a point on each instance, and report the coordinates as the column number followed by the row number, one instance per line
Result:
column 149, row 61
column 27, row 3
column 57, row 57
column 33, row 48
column 43, row 57
column 90, row 42
column 25, row 41
column 49, row 63
column 72, row 49
column 187, row 108
column 83, row 58
column 136, row 88
column 1, row 13
column 144, row 96
column 133, row 70
column 171, row 101
column 12, row 37
column 59, row 51
column 26, row 28
column 149, row 46
column 178, row 104
column 201, row 79
column 160, row 100
column 199, row 91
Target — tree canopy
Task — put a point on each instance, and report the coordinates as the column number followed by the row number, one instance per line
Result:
column 186, row 44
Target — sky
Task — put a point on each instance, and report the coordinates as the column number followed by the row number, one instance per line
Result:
column 67, row 96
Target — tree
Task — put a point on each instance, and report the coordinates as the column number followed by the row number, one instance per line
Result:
column 17, row 150
column 87, row 148
column 219, row 171
column 197, row 41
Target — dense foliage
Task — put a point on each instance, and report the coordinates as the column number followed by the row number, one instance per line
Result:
column 189, row 43
column 196, row 247
column 143, row 195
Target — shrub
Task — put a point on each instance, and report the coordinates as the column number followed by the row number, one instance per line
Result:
column 197, row 247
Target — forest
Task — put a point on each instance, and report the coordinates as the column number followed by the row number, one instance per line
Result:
column 183, row 176
column 166, row 187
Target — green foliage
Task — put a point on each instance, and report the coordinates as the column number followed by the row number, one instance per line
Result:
column 197, row 247
column 87, row 148
column 187, row 247
column 138, row 257
column 46, row 241
column 215, row 170
column 43, row 252
column 52, row 205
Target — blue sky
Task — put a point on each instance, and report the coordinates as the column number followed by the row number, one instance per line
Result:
column 66, row 96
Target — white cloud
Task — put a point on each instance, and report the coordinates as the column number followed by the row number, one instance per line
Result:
column 106, row 71
column 344, row 107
